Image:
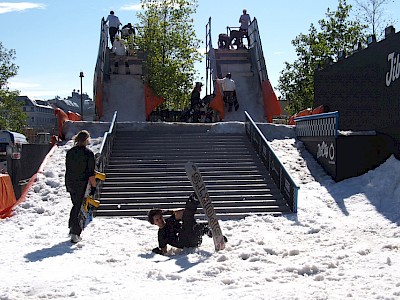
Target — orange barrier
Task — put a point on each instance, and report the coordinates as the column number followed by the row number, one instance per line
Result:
column 61, row 118
column 7, row 196
column 304, row 112
column 318, row 110
column 217, row 103
column 271, row 104
column 74, row 116
column 8, row 211
column 151, row 100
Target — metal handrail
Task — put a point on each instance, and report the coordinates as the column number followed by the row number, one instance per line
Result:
column 103, row 156
column 210, row 60
column 278, row 173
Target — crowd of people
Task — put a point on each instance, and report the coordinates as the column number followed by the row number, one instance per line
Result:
column 122, row 40
column 235, row 37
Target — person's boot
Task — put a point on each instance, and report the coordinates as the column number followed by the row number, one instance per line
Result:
column 75, row 238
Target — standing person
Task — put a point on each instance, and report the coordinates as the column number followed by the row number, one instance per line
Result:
column 113, row 24
column 245, row 21
column 80, row 164
column 229, row 89
column 195, row 101
column 180, row 230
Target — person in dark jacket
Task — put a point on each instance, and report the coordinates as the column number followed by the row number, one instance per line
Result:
column 195, row 102
column 80, row 170
column 180, row 230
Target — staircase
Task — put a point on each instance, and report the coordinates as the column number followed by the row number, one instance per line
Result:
column 236, row 62
column 146, row 170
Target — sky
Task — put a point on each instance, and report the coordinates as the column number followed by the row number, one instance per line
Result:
column 56, row 40
column 344, row 242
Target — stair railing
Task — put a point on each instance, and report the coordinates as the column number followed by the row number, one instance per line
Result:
column 101, row 69
column 279, row 174
column 103, row 156
column 256, row 51
column 210, row 60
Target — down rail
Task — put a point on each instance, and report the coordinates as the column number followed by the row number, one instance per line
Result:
column 103, row 156
column 276, row 169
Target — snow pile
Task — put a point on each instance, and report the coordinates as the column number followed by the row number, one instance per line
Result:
column 343, row 243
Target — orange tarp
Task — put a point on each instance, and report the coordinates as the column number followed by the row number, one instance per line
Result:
column 152, row 101
column 304, row 112
column 61, row 117
column 217, row 103
column 7, row 196
column 73, row 116
column 271, row 104
column 318, row 110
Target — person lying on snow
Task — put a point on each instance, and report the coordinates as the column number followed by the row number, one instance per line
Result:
column 180, row 230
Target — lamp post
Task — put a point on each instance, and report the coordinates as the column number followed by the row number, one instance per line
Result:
column 81, row 76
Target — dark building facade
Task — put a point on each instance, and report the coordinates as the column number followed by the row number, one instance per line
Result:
column 365, row 89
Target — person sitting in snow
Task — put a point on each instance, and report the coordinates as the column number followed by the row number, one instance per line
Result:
column 180, row 230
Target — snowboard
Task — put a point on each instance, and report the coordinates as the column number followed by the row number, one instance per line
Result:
column 89, row 204
column 201, row 191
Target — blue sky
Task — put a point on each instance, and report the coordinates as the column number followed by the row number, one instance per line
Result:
column 56, row 40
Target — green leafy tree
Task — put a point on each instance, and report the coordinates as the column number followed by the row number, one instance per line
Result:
column 167, row 37
column 11, row 115
column 372, row 13
column 315, row 50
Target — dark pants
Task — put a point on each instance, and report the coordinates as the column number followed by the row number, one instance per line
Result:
column 112, row 31
column 230, row 99
column 191, row 232
column 77, row 195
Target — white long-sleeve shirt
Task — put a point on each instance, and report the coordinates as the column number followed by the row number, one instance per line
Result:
column 228, row 85
column 113, row 21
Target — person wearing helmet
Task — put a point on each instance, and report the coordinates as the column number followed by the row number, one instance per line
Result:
column 180, row 230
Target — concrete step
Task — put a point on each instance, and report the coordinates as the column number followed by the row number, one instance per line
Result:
column 146, row 170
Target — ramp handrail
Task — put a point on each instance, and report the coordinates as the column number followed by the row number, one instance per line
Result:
column 257, row 53
column 278, row 173
column 103, row 156
column 210, row 59
column 101, row 69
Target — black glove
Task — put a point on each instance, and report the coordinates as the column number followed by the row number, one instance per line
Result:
column 92, row 191
column 157, row 251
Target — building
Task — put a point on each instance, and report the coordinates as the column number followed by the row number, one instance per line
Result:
column 73, row 103
column 41, row 116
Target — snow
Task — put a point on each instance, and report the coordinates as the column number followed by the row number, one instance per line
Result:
column 344, row 242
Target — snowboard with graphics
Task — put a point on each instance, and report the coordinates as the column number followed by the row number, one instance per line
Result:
column 201, row 191
column 89, row 204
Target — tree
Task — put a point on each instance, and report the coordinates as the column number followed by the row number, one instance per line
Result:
column 11, row 115
column 317, row 49
column 7, row 68
column 372, row 13
column 167, row 37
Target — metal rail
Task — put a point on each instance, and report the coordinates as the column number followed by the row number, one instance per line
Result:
column 278, row 173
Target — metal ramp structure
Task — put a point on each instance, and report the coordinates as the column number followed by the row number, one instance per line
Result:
column 144, row 161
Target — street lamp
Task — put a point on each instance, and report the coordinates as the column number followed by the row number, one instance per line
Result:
column 81, row 76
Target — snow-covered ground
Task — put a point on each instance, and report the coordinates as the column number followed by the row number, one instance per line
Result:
column 344, row 243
